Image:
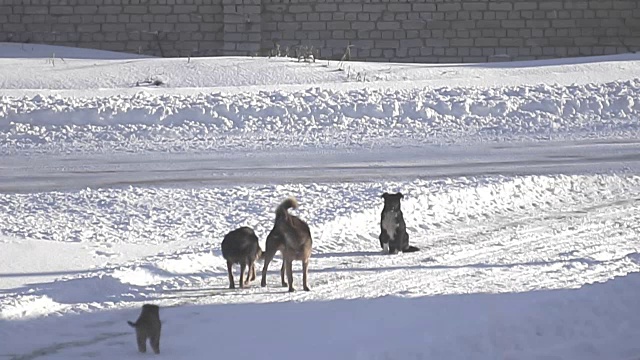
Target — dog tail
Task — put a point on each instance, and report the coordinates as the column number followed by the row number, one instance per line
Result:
column 132, row 324
column 288, row 203
column 411, row 249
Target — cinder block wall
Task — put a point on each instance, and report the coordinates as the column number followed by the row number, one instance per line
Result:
column 376, row 30
column 455, row 30
column 155, row 27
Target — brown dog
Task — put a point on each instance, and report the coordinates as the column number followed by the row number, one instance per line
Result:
column 292, row 237
column 148, row 326
column 240, row 246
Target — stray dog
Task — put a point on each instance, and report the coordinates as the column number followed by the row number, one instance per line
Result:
column 292, row 237
column 393, row 232
column 240, row 246
column 148, row 326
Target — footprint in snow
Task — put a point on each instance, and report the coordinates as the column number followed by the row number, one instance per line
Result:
column 100, row 324
column 90, row 354
column 568, row 253
column 105, row 254
column 117, row 343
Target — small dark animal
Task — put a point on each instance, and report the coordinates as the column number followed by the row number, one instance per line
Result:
column 292, row 237
column 148, row 326
column 393, row 232
column 240, row 246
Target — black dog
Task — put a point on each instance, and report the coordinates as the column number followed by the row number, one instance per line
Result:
column 393, row 231
column 240, row 246
column 292, row 237
column 148, row 326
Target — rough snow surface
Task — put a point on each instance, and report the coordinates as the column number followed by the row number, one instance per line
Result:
column 521, row 183
column 317, row 118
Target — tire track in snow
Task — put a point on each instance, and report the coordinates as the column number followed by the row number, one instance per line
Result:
column 315, row 117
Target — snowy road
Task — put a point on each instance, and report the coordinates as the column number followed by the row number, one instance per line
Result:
column 71, row 172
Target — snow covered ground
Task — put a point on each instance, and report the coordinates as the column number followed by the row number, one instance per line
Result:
column 521, row 183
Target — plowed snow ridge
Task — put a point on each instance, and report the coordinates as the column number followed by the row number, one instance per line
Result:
column 317, row 117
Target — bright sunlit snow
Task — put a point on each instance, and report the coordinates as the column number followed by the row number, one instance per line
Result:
column 120, row 175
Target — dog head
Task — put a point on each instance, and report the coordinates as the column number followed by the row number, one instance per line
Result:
column 392, row 201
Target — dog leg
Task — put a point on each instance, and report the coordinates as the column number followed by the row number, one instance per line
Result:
column 392, row 248
column 243, row 266
column 141, row 338
column 268, row 256
column 230, row 272
column 384, row 240
column 282, row 269
column 290, row 274
column 305, row 270
column 155, row 343
column 405, row 242
column 252, row 270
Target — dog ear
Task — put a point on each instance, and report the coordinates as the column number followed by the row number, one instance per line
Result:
column 401, row 195
column 384, row 196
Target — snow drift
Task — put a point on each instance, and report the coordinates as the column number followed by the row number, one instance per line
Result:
column 318, row 117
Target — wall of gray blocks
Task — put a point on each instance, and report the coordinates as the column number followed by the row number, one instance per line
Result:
column 376, row 30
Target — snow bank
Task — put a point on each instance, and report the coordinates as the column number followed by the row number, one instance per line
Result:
column 317, row 117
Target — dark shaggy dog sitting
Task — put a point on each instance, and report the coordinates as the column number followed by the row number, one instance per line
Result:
column 393, row 231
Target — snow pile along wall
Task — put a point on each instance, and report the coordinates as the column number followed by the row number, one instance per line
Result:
column 318, row 117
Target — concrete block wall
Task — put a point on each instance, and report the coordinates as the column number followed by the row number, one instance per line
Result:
column 155, row 27
column 242, row 27
column 454, row 30
column 375, row 30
